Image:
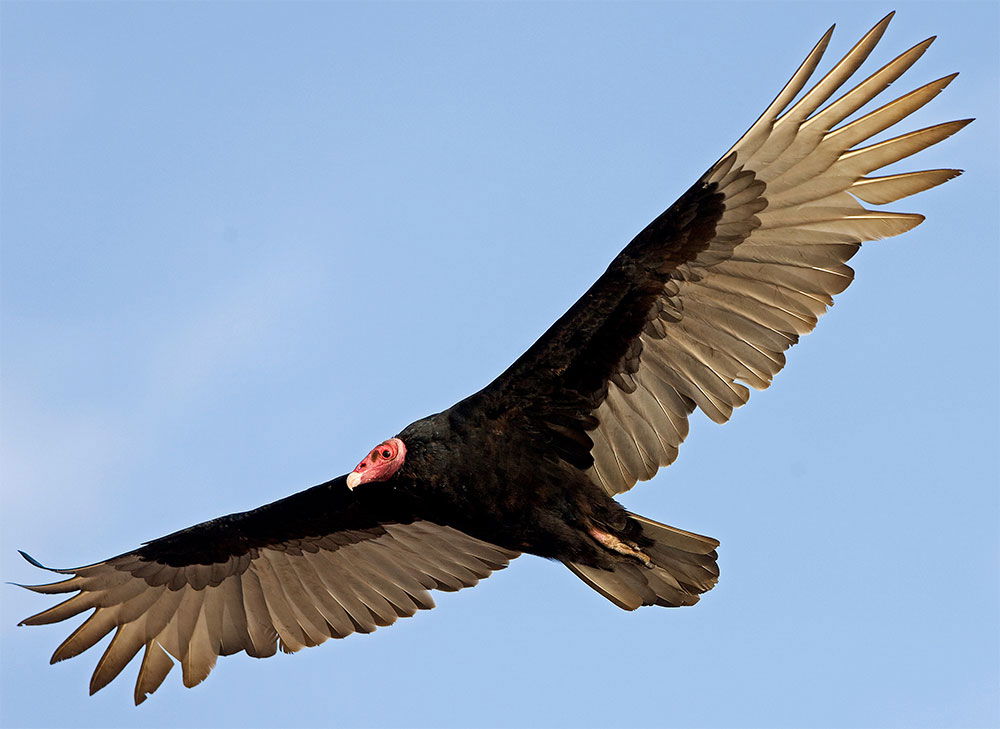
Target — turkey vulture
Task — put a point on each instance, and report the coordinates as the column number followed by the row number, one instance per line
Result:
column 700, row 306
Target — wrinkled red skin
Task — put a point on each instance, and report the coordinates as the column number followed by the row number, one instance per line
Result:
column 383, row 461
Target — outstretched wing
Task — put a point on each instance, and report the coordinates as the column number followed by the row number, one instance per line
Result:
column 323, row 563
column 703, row 303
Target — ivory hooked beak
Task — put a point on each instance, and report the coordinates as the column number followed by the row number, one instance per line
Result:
column 353, row 480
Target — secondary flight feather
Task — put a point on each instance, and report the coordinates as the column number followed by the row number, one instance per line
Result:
column 697, row 309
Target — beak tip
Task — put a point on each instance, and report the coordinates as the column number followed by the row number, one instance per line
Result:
column 353, row 480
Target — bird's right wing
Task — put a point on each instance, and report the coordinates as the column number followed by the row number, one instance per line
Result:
column 319, row 564
column 703, row 303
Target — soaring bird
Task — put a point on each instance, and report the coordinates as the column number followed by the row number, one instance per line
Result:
column 699, row 307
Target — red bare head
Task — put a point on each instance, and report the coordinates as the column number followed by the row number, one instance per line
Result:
column 379, row 465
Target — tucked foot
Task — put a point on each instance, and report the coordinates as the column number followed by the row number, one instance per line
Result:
column 615, row 544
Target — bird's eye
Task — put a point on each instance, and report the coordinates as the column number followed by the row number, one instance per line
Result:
column 386, row 453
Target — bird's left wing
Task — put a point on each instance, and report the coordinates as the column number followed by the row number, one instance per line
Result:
column 706, row 299
column 319, row 564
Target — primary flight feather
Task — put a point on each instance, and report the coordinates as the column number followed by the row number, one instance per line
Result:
column 697, row 309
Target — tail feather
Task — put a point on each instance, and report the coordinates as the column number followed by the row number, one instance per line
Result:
column 683, row 567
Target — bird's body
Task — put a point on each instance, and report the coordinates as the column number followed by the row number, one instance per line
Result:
column 536, row 504
column 700, row 306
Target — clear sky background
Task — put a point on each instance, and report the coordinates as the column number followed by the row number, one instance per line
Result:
column 243, row 243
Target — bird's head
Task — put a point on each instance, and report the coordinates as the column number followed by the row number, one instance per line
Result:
column 380, row 464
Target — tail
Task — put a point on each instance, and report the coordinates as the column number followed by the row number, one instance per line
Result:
column 683, row 567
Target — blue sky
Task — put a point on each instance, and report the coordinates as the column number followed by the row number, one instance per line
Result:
column 244, row 242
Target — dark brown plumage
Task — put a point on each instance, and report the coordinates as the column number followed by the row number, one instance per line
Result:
column 697, row 308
